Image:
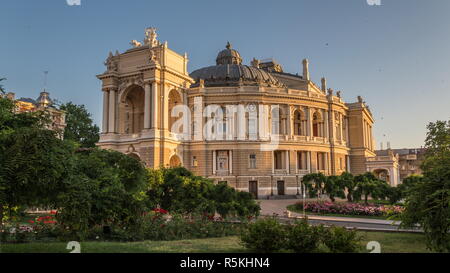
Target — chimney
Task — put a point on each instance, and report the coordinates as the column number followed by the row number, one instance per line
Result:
column 305, row 69
column 388, row 145
column 324, row 84
column 381, row 146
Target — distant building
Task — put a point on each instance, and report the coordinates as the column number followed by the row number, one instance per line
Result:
column 409, row 160
column 42, row 103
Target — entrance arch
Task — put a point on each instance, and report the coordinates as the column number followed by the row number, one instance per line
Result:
column 175, row 161
column 382, row 174
column 132, row 110
column 135, row 156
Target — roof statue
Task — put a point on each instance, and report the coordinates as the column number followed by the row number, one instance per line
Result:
column 150, row 37
column 135, row 43
column 255, row 63
column 110, row 63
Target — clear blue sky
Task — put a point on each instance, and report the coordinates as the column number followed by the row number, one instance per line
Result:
column 395, row 55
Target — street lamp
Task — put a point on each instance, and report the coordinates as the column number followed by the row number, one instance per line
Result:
column 304, row 197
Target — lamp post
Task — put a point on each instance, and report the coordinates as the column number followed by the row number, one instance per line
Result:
column 304, row 197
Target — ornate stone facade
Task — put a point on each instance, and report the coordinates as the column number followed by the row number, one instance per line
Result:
column 146, row 88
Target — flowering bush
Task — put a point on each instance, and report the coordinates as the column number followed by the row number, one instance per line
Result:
column 350, row 209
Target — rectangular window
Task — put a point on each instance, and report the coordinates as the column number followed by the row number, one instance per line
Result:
column 194, row 161
column 278, row 160
column 301, row 160
column 252, row 161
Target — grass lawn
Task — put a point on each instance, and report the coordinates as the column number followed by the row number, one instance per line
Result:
column 390, row 243
column 294, row 209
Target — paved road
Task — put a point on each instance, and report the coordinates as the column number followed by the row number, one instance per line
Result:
column 270, row 207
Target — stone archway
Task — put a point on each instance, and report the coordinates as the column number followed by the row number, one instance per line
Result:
column 175, row 161
column 135, row 156
column 131, row 117
column 382, row 174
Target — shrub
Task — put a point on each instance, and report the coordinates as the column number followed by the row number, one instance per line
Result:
column 303, row 238
column 179, row 190
column 341, row 240
column 265, row 235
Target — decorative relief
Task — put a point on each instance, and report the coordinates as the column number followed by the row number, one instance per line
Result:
column 133, row 80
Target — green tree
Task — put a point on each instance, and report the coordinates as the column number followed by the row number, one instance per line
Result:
column 349, row 183
column 32, row 158
column 179, row 190
column 428, row 200
column 80, row 127
column 334, row 187
column 313, row 183
column 104, row 188
column 368, row 185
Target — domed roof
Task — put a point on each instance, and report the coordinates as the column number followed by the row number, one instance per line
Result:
column 44, row 99
column 228, row 56
column 229, row 71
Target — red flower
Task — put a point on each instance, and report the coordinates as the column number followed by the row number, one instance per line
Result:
column 53, row 212
column 31, row 221
column 162, row 211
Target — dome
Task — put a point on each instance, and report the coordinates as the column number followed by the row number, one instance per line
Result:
column 229, row 71
column 228, row 56
column 44, row 99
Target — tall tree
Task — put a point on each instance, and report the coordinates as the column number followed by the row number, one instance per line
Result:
column 368, row 185
column 348, row 181
column 428, row 200
column 80, row 127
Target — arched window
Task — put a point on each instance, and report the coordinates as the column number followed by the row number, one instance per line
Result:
column 278, row 121
column 299, row 123
column 174, row 100
column 317, row 125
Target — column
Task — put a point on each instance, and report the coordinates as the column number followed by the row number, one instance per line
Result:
column 155, row 103
column 346, row 129
column 326, row 132
column 165, row 107
column 112, row 111
column 273, row 162
column 105, row 111
column 309, row 131
column 308, row 161
column 230, row 156
column 214, row 162
column 341, row 120
column 290, row 127
column 287, row 161
column 147, row 106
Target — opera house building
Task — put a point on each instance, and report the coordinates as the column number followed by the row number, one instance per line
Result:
column 252, row 126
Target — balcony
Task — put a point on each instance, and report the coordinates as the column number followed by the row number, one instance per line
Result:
column 280, row 171
column 222, row 172
column 299, row 138
column 303, row 172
